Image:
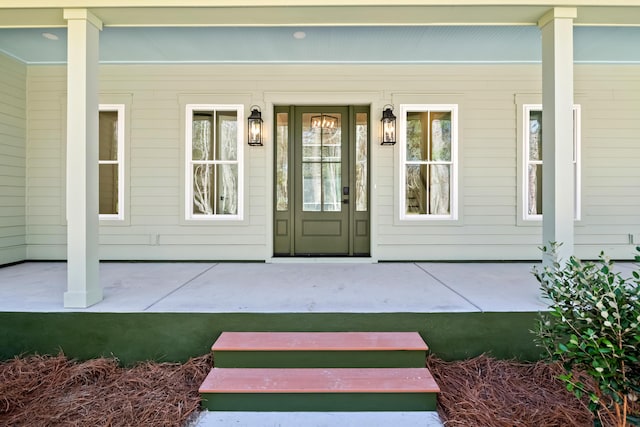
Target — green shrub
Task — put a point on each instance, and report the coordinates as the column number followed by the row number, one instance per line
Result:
column 592, row 326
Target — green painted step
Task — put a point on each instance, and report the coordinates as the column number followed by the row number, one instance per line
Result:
column 319, row 389
column 319, row 350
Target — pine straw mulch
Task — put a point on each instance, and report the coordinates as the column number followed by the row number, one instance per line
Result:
column 503, row 393
column 55, row 391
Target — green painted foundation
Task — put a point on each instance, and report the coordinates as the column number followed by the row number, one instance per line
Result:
column 175, row 337
column 323, row 402
column 320, row 359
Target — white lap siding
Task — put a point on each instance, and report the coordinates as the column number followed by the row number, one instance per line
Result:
column 13, row 79
column 487, row 227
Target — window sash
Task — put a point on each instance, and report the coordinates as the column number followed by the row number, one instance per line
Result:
column 225, row 174
column 432, row 201
column 119, row 161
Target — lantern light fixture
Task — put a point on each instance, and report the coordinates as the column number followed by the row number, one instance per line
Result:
column 255, row 126
column 388, row 126
column 324, row 122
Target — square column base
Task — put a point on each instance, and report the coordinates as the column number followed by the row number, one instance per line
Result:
column 82, row 299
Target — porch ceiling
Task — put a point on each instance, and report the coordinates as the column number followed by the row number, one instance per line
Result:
column 337, row 31
column 336, row 44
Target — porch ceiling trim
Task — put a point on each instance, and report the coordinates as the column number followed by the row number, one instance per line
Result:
column 249, row 3
column 25, row 14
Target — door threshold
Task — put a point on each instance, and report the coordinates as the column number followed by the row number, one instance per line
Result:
column 321, row 260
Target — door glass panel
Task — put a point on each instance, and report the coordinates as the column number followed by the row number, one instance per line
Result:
column 311, row 189
column 282, row 161
column 362, row 137
column 331, row 187
column 321, row 162
column 311, row 140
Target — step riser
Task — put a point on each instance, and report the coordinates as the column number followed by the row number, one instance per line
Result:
column 319, row 402
column 320, row 359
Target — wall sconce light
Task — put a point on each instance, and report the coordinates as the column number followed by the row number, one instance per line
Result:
column 255, row 126
column 388, row 126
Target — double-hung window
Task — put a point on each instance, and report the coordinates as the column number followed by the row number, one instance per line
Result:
column 111, row 161
column 533, row 157
column 428, row 157
column 214, row 161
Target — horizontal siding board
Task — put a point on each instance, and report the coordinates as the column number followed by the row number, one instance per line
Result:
column 199, row 239
column 12, row 241
column 156, row 200
column 46, row 239
column 13, row 151
column 48, row 200
column 12, row 221
column 151, row 192
column 413, row 239
column 6, row 200
column 12, row 191
column 166, row 172
column 13, row 254
column 138, row 210
column 11, row 211
column 54, row 211
column 178, row 252
column 13, row 231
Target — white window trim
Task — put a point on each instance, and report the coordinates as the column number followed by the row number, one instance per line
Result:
column 402, row 140
column 577, row 143
column 120, row 109
column 188, row 204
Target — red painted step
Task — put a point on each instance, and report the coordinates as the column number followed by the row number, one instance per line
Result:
column 315, row 380
column 319, row 341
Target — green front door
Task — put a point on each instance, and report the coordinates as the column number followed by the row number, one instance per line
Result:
column 320, row 156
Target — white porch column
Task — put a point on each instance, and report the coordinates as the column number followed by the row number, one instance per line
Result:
column 83, row 282
column 557, row 129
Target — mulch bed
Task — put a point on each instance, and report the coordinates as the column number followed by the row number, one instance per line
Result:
column 53, row 391
column 487, row 392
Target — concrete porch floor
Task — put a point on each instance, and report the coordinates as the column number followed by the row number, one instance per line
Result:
column 425, row 287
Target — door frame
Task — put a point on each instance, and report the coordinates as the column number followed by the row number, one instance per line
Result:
column 359, row 222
